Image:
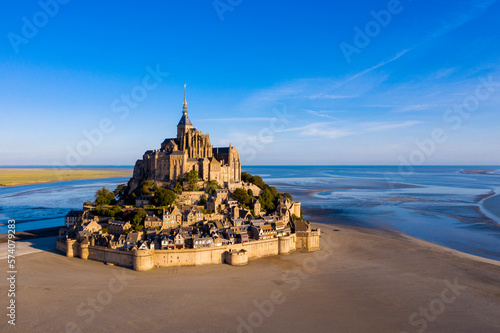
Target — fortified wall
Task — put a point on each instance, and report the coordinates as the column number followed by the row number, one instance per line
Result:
column 236, row 254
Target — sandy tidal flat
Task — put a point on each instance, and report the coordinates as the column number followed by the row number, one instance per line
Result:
column 27, row 176
column 363, row 280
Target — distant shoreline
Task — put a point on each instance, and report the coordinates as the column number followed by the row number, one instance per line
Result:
column 10, row 177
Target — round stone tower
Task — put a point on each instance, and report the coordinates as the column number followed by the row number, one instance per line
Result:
column 143, row 260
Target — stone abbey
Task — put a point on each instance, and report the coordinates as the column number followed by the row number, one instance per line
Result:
column 190, row 150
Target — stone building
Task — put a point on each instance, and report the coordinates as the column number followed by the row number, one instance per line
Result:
column 118, row 227
column 73, row 218
column 153, row 221
column 190, row 150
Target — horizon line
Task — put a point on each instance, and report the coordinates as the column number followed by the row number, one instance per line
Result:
column 252, row 165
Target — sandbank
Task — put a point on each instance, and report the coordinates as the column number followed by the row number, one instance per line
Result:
column 29, row 176
column 362, row 280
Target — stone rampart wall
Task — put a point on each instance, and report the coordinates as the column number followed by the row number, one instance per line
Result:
column 147, row 259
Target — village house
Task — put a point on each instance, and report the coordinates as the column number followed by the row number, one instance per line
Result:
column 73, row 218
column 265, row 231
column 192, row 216
column 143, row 200
column 174, row 214
column 217, row 241
column 170, row 219
column 280, row 228
column 199, row 242
column 118, row 227
column 256, row 207
column 242, row 236
column 146, row 245
column 179, row 239
column 133, row 239
column 87, row 229
column 259, row 222
column 153, row 221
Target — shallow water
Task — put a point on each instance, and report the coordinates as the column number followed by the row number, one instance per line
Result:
column 437, row 204
column 45, row 205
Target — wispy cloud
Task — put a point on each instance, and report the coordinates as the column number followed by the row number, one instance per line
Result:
column 443, row 73
column 320, row 88
column 320, row 114
column 416, row 107
column 383, row 63
column 478, row 8
column 325, row 113
column 235, row 119
column 330, row 131
column 328, row 96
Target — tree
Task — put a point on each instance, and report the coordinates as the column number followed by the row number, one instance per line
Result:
column 203, row 200
column 164, row 197
column 121, row 192
column 242, row 196
column 250, row 192
column 146, row 187
column 244, row 177
column 104, row 197
column 113, row 212
column 192, row 178
column 267, row 200
column 178, row 187
column 257, row 180
column 212, row 185
column 138, row 217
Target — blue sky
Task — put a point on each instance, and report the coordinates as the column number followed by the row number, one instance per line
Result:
column 288, row 82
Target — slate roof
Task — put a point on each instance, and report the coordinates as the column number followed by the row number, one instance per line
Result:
column 184, row 120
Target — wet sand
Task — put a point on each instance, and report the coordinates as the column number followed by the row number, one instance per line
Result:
column 363, row 280
column 32, row 234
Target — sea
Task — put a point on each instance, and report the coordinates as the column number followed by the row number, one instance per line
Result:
column 454, row 206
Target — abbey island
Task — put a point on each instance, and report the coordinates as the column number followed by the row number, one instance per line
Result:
column 190, row 150
column 187, row 203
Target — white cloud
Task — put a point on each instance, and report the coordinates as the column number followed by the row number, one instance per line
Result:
column 330, row 131
column 235, row 119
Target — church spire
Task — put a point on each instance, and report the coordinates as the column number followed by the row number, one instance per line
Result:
column 184, row 106
column 184, row 119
